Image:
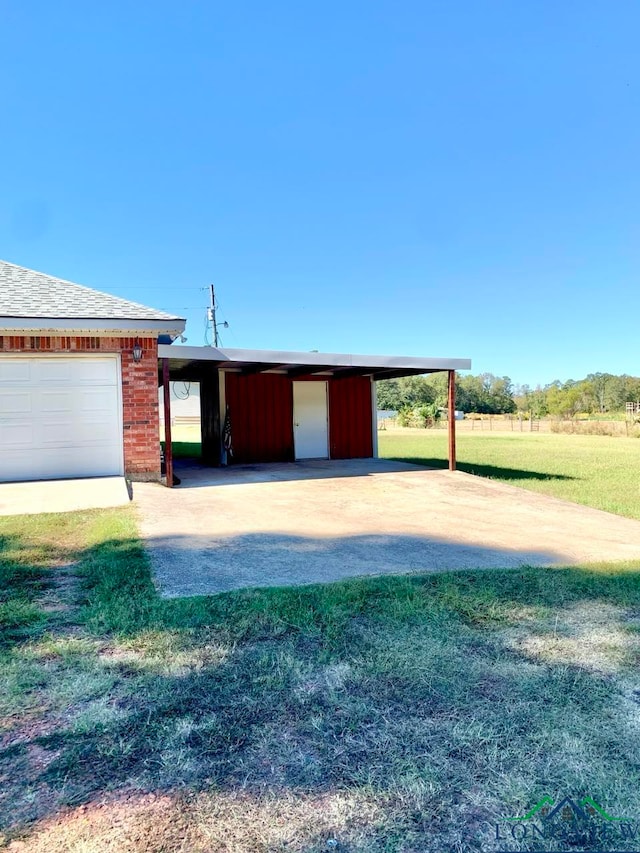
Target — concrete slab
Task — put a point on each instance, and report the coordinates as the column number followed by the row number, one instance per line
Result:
column 271, row 525
column 62, row 495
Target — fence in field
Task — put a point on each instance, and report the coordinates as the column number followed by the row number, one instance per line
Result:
column 633, row 410
column 521, row 424
column 492, row 423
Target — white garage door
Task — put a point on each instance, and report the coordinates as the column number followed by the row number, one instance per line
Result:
column 60, row 416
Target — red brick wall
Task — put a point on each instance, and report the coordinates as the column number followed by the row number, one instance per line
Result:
column 140, row 410
column 139, row 391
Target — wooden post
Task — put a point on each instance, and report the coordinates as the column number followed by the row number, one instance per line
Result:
column 168, row 449
column 452, row 420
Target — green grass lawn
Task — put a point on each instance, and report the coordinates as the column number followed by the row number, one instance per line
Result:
column 185, row 441
column 385, row 714
column 599, row 471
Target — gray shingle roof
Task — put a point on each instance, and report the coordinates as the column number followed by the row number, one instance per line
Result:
column 26, row 293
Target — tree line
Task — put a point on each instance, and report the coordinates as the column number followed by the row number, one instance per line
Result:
column 597, row 393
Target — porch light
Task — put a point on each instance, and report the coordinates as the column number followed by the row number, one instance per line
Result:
column 136, row 352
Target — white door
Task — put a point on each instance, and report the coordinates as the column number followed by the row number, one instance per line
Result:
column 60, row 416
column 310, row 423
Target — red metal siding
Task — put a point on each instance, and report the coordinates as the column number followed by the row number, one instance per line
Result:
column 261, row 413
column 350, row 425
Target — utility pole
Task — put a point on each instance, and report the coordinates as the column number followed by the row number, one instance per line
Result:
column 217, row 341
column 212, row 314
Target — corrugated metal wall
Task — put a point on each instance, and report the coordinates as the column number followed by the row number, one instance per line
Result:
column 350, row 424
column 261, row 412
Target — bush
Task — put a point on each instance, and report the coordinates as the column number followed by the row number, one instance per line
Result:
column 423, row 417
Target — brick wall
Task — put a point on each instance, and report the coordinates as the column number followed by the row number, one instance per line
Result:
column 140, row 410
column 139, row 391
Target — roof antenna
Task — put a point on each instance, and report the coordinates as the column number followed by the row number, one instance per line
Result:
column 211, row 316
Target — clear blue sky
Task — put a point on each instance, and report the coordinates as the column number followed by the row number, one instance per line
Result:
column 421, row 178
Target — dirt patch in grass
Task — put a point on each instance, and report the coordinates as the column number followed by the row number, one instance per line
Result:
column 139, row 823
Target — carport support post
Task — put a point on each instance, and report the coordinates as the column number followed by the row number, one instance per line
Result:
column 168, row 449
column 452, row 420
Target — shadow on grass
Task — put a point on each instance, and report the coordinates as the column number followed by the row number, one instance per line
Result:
column 394, row 685
column 490, row 471
column 22, row 581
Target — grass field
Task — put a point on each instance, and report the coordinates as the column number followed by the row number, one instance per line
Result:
column 378, row 715
column 599, row 471
column 391, row 714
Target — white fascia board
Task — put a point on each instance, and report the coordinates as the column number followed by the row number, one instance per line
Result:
column 53, row 325
column 389, row 362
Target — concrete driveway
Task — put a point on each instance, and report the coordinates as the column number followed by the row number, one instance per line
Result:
column 41, row 496
column 272, row 525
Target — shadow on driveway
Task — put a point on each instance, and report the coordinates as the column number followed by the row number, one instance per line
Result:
column 202, row 565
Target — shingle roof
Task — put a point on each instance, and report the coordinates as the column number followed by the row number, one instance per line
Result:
column 29, row 294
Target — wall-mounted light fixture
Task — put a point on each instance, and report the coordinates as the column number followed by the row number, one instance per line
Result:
column 136, row 352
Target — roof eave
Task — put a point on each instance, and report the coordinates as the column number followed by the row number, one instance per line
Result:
column 232, row 358
column 71, row 325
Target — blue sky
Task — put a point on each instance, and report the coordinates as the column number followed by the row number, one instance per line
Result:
column 421, row 178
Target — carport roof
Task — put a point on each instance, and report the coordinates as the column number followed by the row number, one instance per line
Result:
column 190, row 362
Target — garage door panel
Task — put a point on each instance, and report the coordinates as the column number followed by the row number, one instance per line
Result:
column 95, row 373
column 16, row 434
column 69, row 434
column 14, row 371
column 60, row 434
column 15, row 403
column 70, row 371
column 98, row 433
column 58, row 371
column 59, row 424
column 64, row 463
column 95, row 400
column 56, row 401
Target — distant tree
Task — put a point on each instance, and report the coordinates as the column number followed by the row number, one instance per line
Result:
column 631, row 388
column 388, row 395
column 499, row 392
column 408, row 392
column 486, row 393
column 439, row 385
column 601, row 383
column 564, row 400
column 538, row 402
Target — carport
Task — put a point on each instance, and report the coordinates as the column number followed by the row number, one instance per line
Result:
column 260, row 406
